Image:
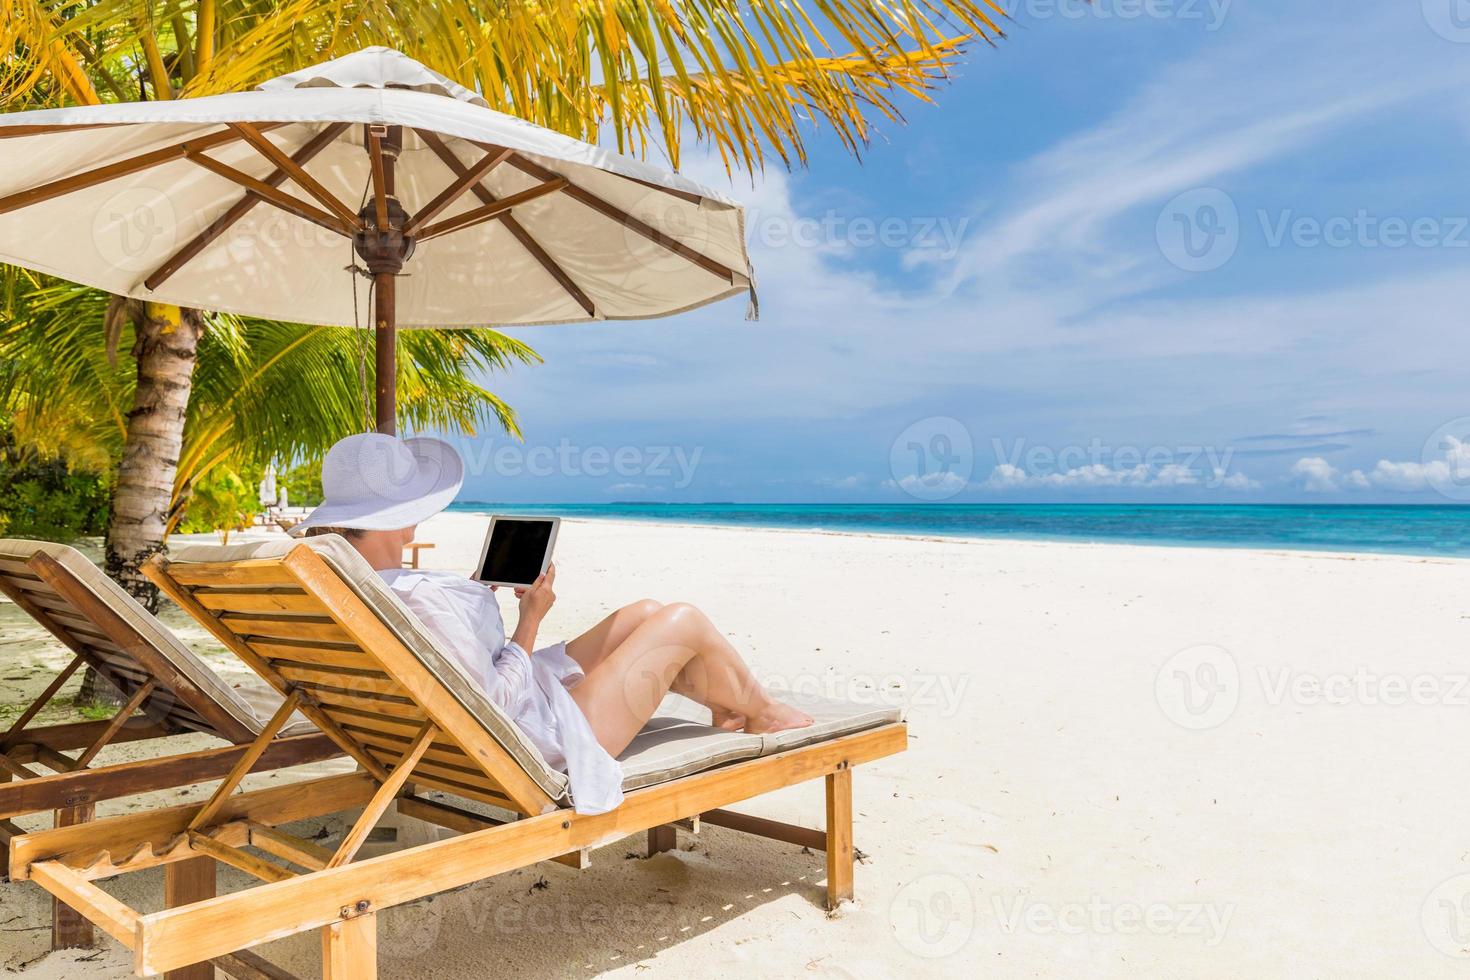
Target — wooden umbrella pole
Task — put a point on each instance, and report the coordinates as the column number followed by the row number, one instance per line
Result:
column 383, row 248
column 385, row 285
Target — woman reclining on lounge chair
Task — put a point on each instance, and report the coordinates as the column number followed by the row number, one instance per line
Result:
column 581, row 701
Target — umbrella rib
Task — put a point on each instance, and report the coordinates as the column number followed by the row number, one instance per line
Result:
column 271, row 195
column 299, row 176
column 627, row 220
column 457, row 189
column 11, row 132
column 380, row 178
column 122, row 168
column 689, row 196
column 225, row 221
column 488, row 212
column 528, row 242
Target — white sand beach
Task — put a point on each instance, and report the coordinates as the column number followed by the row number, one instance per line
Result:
column 1125, row 762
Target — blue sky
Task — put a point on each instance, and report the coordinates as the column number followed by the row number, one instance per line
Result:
column 1154, row 250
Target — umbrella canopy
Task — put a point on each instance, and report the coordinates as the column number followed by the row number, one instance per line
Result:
column 268, row 203
column 267, row 493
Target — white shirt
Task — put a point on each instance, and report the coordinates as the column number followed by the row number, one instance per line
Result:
column 532, row 689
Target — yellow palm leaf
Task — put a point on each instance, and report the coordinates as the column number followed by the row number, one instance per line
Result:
column 747, row 76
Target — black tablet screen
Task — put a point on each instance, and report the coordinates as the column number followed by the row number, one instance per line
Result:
column 516, row 550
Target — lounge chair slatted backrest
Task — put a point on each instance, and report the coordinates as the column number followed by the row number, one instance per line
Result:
column 316, row 621
column 70, row 596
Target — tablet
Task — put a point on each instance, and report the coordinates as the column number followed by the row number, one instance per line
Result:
column 517, row 550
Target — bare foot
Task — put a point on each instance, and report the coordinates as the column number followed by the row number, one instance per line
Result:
column 730, row 721
column 778, row 718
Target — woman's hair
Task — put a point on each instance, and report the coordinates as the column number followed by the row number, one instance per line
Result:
column 347, row 532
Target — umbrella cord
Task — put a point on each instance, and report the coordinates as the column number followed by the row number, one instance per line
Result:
column 356, row 270
column 362, row 384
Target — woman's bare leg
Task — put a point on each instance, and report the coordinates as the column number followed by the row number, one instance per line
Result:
column 677, row 648
column 595, row 645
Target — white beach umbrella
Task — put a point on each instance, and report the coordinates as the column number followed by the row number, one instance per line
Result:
column 267, row 203
column 267, row 492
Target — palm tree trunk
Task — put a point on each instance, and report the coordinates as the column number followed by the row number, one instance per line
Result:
column 166, row 348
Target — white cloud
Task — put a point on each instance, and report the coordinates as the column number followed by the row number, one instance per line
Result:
column 1008, row 476
column 1404, row 477
column 1235, row 481
column 932, row 486
column 1316, row 475
column 1175, row 475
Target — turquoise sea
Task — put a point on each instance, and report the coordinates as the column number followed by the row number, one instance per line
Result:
column 1413, row 530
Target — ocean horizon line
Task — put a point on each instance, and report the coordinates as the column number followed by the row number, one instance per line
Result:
column 942, row 504
column 1437, row 530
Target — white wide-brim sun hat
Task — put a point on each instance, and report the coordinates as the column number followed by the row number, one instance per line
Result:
column 376, row 482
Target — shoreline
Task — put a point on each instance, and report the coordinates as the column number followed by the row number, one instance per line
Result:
column 1345, row 554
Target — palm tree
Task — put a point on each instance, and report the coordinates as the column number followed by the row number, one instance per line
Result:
column 264, row 391
column 745, row 78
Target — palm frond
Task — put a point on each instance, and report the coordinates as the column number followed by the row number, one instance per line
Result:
column 747, row 76
column 263, row 390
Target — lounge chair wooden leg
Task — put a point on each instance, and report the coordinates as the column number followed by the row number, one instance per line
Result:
column 839, row 837
column 350, row 949
column 70, row 928
column 662, row 838
column 184, row 883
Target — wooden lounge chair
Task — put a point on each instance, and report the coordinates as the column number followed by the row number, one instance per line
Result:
column 313, row 619
column 413, row 548
column 167, row 690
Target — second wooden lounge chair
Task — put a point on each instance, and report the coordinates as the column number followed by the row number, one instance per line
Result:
column 167, row 690
column 319, row 624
